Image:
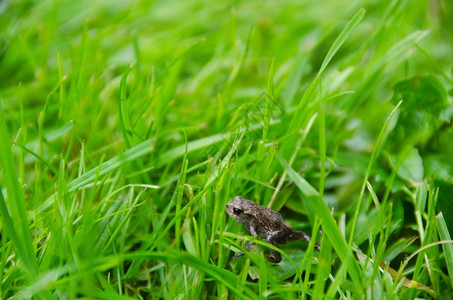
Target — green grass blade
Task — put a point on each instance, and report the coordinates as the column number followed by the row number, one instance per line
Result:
column 39, row 158
column 227, row 278
column 444, row 235
column 352, row 24
column 268, row 102
column 345, row 33
column 328, row 223
column 324, row 267
column 191, row 146
column 14, row 208
column 124, row 121
column 106, row 167
column 179, row 191
column 128, row 146
column 133, row 153
column 322, row 147
column 263, row 276
column 374, row 154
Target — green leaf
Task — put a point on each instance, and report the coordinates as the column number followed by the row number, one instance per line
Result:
column 421, row 93
column 412, row 166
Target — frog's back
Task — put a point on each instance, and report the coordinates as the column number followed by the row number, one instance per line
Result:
column 269, row 220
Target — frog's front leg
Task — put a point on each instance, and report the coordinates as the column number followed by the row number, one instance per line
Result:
column 247, row 247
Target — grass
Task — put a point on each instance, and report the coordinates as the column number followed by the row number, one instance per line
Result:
column 126, row 127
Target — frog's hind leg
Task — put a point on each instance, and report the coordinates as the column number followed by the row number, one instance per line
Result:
column 300, row 235
column 274, row 255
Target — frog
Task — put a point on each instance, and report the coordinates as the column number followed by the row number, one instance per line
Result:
column 266, row 223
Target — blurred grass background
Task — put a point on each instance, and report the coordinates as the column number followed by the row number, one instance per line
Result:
column 132, row 123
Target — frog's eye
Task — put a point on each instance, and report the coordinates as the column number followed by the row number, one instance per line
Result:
column 237, row 211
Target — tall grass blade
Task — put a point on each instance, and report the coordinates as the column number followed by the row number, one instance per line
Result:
column 328, row 223
column 373, row 158
column 124, row 121
column 349, row 28
column 444, row 235
column 13, row 208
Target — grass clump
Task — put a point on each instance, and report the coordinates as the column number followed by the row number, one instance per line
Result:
column 127, row 127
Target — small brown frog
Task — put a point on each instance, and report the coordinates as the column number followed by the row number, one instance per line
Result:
column 266, row 223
